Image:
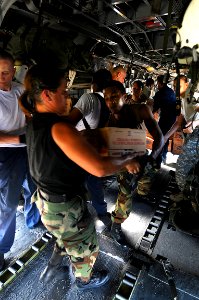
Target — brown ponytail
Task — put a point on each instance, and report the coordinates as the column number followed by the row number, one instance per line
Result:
column 27, row 104
column 37, row 79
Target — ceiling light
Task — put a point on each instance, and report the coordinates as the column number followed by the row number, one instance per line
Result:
column 150, row 69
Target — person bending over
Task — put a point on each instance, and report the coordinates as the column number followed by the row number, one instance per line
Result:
column 59, row 159
column 90, row 112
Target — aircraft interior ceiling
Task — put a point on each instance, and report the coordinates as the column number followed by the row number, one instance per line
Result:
column 89, row 34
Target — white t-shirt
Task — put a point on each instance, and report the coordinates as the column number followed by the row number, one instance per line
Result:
column 89, row 105
column 146, row 91
column 188, row 109
column 12, row 119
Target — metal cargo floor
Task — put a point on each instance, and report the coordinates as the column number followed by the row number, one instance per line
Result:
column 136, row 273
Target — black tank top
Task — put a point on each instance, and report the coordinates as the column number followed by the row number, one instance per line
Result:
column 129, row 117
column 50, row 168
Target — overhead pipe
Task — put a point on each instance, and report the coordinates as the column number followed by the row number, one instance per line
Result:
column 31, row 6
column 96, row 34
column 118, row 32
column 4, row 6
column 101, row 25
column 120, row 13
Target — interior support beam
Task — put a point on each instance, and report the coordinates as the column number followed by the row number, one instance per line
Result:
column 4, row 6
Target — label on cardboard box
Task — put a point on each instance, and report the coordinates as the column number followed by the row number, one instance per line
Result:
column 177, row 145
column 177, row 149
column 121, row 141
column 178, row 135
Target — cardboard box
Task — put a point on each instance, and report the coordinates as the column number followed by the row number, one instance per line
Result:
column 121, row 141
column 178, row 135
column 177, row 149
column 170, row 145
column 177, row 146
column 178, row 142
column 149, row 143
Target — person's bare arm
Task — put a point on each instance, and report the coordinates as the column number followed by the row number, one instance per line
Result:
column 9, row 139
column 190, row 126
column 178, row 124
column 154, row 130
column 75, row 116
column 150, row 103
column 75, row 146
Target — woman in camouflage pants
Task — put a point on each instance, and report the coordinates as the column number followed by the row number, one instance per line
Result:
column 58, row 157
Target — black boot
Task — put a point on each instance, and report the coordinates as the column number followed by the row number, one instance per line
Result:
column 186, row 219
column 117, row 234
column 54, row 269
column 106, row 219
column 97, row 279
column 2, row 261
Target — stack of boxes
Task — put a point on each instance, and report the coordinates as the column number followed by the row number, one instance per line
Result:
column 175, row 142
column 178, row 141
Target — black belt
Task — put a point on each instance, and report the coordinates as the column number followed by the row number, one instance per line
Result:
column 55, row 198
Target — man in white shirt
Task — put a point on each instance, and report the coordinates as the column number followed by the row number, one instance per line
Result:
column 14, row 171
column 91, row 112
column 119, row 74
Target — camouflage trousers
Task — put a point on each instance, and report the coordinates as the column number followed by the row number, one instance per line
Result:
column 71, row 223
column 188, row 158
column 146, row 181
column 125, row 181
column 123, row 205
